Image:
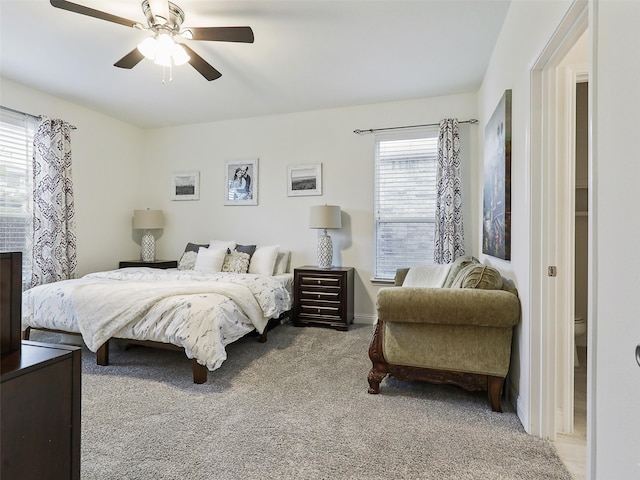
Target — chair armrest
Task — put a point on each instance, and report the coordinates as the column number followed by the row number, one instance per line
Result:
column 452, row 306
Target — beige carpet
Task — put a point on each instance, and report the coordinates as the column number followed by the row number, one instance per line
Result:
column 295, row 407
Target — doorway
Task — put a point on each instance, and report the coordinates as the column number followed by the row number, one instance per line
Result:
column 570, row 237
column 553, row 81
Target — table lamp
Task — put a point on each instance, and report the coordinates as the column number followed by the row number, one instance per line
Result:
column 148, row 220
column 324, row 217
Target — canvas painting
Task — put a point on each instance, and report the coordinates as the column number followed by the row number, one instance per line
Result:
column 496, row 221
column 241, row 182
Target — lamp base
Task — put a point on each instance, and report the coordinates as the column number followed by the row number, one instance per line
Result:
column 148, row 250
column 325, row 251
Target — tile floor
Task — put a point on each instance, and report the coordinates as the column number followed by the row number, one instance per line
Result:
column 572, row 449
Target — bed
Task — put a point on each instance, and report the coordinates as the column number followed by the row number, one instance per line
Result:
column 213, row 298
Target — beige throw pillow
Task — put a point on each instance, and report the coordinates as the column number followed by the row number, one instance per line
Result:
column 478, row 276
column 236, row 262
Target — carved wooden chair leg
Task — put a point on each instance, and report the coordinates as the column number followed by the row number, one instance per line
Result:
column 374, row 378
column 199, row 372
column 26, row 333
column 102, row 355
column 494, row 390
column 379, row 369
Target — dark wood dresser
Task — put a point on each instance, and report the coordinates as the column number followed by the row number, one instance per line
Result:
column 40, row 415
column 323, row 296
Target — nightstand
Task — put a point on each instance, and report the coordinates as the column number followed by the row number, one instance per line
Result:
column 323, row 296
column 163, row 264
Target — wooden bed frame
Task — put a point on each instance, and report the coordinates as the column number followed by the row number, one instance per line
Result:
column 199, row 371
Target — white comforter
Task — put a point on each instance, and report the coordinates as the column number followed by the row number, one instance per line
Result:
column 201, row 312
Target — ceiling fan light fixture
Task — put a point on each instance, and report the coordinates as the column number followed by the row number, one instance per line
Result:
column 163, row 50
column 180, row 57
column 148, row 48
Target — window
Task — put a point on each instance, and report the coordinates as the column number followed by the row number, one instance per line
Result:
column 405, row 200
column 16, row 151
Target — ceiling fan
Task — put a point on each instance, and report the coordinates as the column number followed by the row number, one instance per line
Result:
column 164, row 22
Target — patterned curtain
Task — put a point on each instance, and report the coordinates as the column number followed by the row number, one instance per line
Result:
column 54, row 232
column 449, row 237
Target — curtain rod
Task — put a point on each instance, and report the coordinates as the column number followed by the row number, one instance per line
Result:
column 39, row 117
column 371, row 130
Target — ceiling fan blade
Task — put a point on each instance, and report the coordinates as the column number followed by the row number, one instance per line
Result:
column 130, row 60
column 222, row 34
column 82, row 10
column 197, row 62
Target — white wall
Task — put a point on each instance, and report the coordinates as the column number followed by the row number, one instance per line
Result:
column 615, row 390
column 118, row 168
column 325, row 137
column 516, row 50
column 614, row 423
column 106, row 156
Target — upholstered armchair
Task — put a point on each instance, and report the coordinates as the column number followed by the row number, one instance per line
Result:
column 457, row 334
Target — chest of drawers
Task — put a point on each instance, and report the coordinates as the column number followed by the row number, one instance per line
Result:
column 40, row 393
column 323, row 296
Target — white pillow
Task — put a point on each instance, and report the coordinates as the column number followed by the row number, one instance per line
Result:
column 218, row 244
column 209, row 260
column 282, row 262
column 428, row 276
column 263, row 260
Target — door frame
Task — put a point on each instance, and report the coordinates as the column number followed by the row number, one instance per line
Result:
column 551, row 338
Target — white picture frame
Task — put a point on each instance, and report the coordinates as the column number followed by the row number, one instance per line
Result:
column 185, row 185
column 304, row 180
column 241, row 182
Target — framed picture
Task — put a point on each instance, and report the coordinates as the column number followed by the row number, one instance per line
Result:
column 185, row 186
column 241, row 182
column 303, row 180
column 496, row 213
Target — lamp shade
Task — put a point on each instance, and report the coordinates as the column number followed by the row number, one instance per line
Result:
column 325, row 216
column 148, row 219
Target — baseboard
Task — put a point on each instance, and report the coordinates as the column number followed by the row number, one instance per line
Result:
column 517, row 402
column 364, row 318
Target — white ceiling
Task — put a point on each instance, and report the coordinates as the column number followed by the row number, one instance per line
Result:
column 307, row 55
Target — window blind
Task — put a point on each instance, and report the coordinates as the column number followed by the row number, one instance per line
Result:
column 16, row 152
column 405, row 200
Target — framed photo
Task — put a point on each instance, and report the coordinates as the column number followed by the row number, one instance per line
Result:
column 241, row 182
column 185, row 186
column 303, row 180
column 496, row 213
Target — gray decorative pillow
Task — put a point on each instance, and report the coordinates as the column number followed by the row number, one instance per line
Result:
column 188, row 260
column 236, row 262
column 194, row 247
column 246, row 249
